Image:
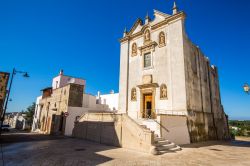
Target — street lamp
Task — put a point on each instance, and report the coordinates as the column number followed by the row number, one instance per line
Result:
column 246, row 88
column 14, row 72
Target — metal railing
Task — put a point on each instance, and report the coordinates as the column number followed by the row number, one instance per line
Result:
column 153, row 113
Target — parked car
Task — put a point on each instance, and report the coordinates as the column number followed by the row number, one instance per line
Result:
column 6, row 127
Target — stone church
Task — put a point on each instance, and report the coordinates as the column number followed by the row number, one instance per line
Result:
column 167, row 83
column 168, row 92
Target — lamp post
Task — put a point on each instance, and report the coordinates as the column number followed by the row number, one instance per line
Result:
column 14, row 72
column 246, row 88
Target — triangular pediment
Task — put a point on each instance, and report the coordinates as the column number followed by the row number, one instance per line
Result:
column 159, row 16
column 136, row 27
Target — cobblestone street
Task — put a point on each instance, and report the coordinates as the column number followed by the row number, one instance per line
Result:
column 26, row 149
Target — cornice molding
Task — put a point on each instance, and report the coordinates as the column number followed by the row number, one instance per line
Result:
column 170, row 19
column 144, row 86
column 149, row 46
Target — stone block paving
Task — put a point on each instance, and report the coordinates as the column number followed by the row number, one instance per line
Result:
column 27, row 149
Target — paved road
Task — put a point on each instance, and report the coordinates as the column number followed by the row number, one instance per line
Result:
column 27, row 149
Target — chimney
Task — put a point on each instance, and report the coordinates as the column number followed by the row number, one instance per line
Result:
column 61, row 72
column 98, row 94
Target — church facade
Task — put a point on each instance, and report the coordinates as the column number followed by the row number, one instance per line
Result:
column 168, row 84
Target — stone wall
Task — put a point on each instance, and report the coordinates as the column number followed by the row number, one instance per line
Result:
column 205, row 113
column 174, row 129
column 201, row 126
column 114, row 129
column 75, row 95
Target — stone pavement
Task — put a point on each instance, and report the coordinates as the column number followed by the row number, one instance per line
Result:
column 27, row 149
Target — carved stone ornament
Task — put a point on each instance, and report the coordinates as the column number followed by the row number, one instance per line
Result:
column 134, row 49
column 162, row 39
column 147, row 79
column 163, row 92
column 147, row 47
column 133, row 94
column 147, row 36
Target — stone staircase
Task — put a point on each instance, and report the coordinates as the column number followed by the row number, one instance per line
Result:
column 160, row 144
column 163, row 146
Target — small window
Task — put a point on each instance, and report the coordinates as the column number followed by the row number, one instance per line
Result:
column 147, row 60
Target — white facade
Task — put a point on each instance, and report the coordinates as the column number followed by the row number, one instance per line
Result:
column 165, row 78
column 62, row 80
column 37, row 114
column 111, row 100
column 67, row 96
column 89, row 105
column 167, row 67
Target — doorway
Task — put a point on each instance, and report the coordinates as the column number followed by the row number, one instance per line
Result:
column 148, row 111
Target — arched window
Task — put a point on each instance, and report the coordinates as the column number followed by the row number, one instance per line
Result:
column 147, row 36
column 134, row 49
column 163, row 91
column 133, row 94
column 162, row 39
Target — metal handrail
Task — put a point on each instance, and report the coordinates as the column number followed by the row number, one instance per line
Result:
column 153, row 113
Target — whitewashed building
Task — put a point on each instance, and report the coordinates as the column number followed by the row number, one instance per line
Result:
column 110, row 100
column 167, row 83
column 37, row 115
column 61, row 105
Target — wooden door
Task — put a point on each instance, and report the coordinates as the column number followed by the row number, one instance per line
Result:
column 148, row 106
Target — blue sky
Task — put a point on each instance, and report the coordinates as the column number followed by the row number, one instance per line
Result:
column 81, row 37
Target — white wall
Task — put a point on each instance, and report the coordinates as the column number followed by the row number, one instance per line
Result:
column 89, row 105
column 37, row 114
column 167, row 68
column 89, row 101
column 123, row 77
column 70, row 120
column 62, row 80
column 111, row 100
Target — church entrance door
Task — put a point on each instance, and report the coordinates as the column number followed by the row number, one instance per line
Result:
column 148, row 111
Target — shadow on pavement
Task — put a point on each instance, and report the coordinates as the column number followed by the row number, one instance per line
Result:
column 238, row 142
column 23, row 148
column 24, row 136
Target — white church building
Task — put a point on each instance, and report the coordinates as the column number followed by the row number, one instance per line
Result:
column 167, row 83
column 168, row 91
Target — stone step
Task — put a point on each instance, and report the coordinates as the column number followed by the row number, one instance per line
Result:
column 159, row 152
column 157, row 139
column 162, row 142
column 166, row 147
column 161, row 145
column 177, row 148
column 144, row 126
